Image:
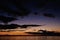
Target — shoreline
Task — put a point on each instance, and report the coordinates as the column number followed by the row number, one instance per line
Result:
column 29, row 35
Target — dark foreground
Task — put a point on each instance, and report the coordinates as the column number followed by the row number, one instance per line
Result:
column 29, row 37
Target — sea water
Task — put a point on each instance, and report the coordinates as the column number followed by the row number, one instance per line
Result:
column 29, row 37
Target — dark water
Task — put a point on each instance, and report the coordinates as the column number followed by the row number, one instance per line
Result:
column 29, row 37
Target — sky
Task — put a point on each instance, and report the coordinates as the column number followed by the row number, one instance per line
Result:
column 52, row 7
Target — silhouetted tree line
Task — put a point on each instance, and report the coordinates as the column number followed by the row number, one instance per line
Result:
column 45, row 33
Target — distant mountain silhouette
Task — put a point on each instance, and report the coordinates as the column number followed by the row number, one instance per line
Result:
column 45, row 33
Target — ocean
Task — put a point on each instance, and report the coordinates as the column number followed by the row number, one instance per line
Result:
column 29, row 37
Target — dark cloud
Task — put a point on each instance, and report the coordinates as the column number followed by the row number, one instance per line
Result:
column 22, row 11
column 8, row 26
column 49, row 15
column 32, row 25
column 41, row 3
column 13, row 26
column 35, row 13
column 5, row 19
column 19, row 10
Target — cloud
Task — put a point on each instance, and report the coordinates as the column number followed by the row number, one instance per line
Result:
column 13, row 26
column 49, row 15
column 31, row 25
column 5, row 19
column 40, row 3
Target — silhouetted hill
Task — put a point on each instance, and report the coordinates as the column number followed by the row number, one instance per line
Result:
column 45, row 33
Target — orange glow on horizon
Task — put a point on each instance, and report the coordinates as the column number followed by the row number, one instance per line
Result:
column 13, row 33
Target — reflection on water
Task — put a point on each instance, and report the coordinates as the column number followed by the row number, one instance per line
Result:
column 29, row 37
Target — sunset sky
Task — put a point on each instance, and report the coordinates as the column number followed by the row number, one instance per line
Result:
column 49, row 23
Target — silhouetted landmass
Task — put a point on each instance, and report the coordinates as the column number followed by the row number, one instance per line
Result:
column 45, row 33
